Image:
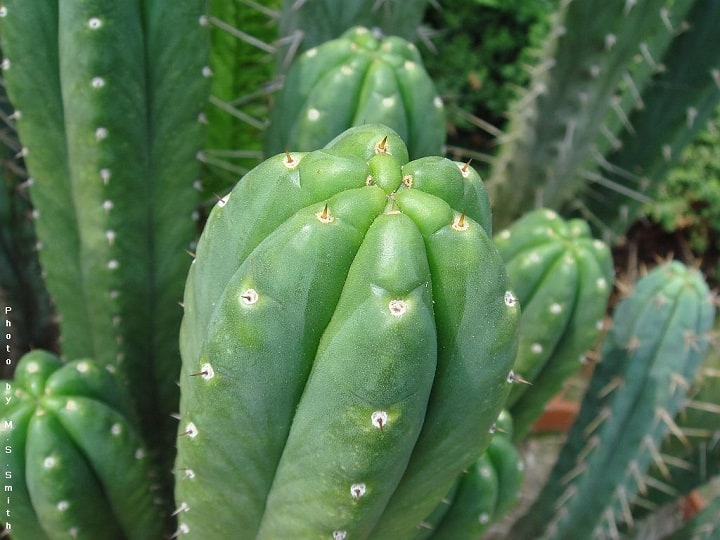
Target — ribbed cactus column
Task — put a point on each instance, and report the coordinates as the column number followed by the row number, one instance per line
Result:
column 562, row 277
column 304, row 25
column 659, row 336
column 358, row 78
column 558, row 129
column 347, row 343
column 79, row 467
column 108, row 98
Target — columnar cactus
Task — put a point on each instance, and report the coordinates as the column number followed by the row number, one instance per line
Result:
column 357, row 79
column 599, row 58
column 563, row 278
column 79, row 468
column 675, row 107
column 108, row 99
column 659, row 336
column 695, row 442
column 347, row 344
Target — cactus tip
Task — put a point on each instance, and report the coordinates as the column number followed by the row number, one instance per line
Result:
column 382, row 146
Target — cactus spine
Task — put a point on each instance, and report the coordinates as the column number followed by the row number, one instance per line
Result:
column 357, row 79
column 80, row 468
column 636, row 390
column 99, row 125
column 559, row 128
column 343, row 277
column 676, row 105
column 562, row 278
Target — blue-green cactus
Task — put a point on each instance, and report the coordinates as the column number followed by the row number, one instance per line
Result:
column 658, row 338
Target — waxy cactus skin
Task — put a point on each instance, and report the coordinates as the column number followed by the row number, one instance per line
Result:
column 486, row 491
column 562, row 278
column 354, row 80
column 347, row 344
column 659, row 335
column 80, row 469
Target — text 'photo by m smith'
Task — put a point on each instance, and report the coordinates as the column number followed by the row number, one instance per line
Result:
column 6, row 426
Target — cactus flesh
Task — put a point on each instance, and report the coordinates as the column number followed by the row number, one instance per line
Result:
column 658, row 338
column 562, row 277
column 80, row 468
column 353, row 80
column 347, row 340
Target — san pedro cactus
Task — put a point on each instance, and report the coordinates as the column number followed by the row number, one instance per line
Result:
column 79, row 468
column 108, row 99
column 582, row 92
column 676, row 105
column 487, row 490
column 309, row 23
column 357, row 79
column 695, row 442
column 347, row 344
column 563, row 278
column 658, row 338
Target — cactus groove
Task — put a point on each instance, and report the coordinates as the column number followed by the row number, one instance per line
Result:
column 80, row 468
column 346, row 345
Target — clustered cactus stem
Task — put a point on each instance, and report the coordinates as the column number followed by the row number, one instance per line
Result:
column 110, row 135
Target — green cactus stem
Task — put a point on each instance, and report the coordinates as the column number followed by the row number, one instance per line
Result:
column 675, row 107
column 487, row 490
column 306, row 24
column 241, row 60
column 562, row 278
column 347, row 342
column 108, row 99
column 357, row 79
column 558, row 127
column 693, row 442
column 658, row 338
column 79, row 468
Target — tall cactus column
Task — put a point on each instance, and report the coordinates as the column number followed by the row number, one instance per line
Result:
column 108, row 98
column 347, row 344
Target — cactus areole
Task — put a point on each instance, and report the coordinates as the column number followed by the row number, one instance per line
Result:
column 347, row 344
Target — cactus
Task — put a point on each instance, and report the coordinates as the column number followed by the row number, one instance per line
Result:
column 562, row 278
column 112, row 179
column 674, row 108
column 347, row 342
column 636, row 390
column 585, row 85
column 30, row 319
column 353, row 80
column 693, row 443
column 705, row 525
column 487, row 490
column 305, row 24
column 79, row 467
column 241, row 61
